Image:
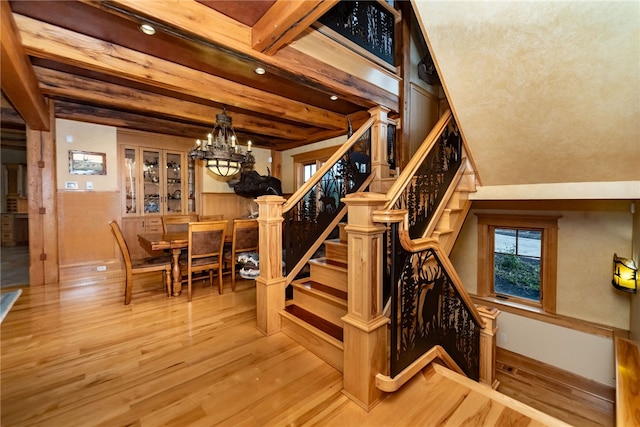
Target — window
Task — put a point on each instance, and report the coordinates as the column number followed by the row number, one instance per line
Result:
column 307, row 163
column 308, row 170
column 517, row 259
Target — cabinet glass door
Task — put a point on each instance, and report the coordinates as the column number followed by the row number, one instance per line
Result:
column 174, row 183
column 152, row 175
column 130, row 173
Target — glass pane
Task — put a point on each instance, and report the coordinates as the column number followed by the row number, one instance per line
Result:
column 517, row 263
column 309, row 170
column 151, row 175
column 529, row 243
column 505, row 241
column 130, row 180
column 174, row 182
column 191, row 185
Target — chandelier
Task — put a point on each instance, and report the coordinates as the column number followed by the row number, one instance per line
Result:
column 220, row 150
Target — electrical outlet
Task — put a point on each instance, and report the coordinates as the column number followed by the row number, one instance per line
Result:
column 102, row 268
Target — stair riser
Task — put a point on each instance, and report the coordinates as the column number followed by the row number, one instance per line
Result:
column 336, row 251
column 312, row 342
column 324, row 308
column 329, row 276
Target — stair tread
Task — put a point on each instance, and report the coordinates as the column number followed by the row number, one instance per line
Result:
column 316, row 321
column 329, row 262
column 312, row 284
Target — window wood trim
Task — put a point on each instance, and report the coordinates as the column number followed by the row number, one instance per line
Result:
column 549, row 257
column 301, row 159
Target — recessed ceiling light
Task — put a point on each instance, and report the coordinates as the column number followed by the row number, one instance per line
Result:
column 333, row 97
column 147, row 29
column 259, row 70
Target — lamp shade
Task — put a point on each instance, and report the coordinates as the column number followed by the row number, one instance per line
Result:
column 625, row 274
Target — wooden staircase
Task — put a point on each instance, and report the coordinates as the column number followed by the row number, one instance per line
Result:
column 313, row 317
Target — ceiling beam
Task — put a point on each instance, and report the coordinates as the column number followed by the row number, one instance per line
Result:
column 105, row 116
column 199, row 21
column 63, row 85
column 284, row 21
column 18, row 80
column 50, row 42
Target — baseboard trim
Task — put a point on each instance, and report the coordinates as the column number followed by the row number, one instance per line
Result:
column 507, row 359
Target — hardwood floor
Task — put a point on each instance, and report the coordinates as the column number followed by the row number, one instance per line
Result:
column 74, row 355
column 573, row 399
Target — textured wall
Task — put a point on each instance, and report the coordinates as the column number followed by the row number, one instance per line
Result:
column 545, row 91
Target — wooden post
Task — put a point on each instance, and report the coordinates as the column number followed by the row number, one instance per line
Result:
column 379, row 162
column 488, row 346
column 43, row 206
column 270, row 295
column 365, row 328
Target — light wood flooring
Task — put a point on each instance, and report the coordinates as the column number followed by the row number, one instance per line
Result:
column 74, row 355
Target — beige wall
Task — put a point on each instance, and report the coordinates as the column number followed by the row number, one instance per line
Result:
column 72, row 135
column 587, row 240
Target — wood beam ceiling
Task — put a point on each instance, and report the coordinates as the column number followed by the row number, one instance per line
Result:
column 19, row 83
column 201, row 22
column 284, row 21
column 50, row 42
column 67, row 86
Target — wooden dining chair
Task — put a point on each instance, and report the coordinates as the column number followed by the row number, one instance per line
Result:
column 206, row 243
column 138, row 266
column 210, row 217
column 244, row 239
column 176, row 223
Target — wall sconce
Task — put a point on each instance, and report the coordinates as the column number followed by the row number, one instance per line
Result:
column 625, row 274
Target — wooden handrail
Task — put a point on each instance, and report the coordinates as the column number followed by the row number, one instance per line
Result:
column 307, row 186
column 388, row 384
column 414, row 163
column 627, row 383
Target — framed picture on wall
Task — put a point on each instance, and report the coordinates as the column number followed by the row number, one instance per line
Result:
column 87, row 163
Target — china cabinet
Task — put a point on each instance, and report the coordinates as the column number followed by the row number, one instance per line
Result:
column 157, row 182
column 156, row 179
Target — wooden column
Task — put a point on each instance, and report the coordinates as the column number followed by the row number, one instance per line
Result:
column 488, row 346
column 365, row 328
column 270, row 284
column 379, row 163
column 43, row 207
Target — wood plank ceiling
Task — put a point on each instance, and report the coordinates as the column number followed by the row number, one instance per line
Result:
column 91, row 58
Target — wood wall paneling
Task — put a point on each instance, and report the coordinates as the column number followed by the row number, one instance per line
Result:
column 85, row 235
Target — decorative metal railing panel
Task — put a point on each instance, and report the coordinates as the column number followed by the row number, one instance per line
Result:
column 427, row 310
column 366, row 23
column 305, row 222
column 431, row 181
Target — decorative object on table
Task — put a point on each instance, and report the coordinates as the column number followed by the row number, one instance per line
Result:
column 250, row 265
column 221, row 151
column 7, row 299
column 245, row 240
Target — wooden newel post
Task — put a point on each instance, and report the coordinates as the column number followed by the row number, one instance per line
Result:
column 379, row 161
column 270, row 293
column 365, row 328
column 488, row 346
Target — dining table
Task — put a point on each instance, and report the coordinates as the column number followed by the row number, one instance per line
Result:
column 175, row 242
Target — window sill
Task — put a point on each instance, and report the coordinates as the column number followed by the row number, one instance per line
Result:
column 538, row 313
